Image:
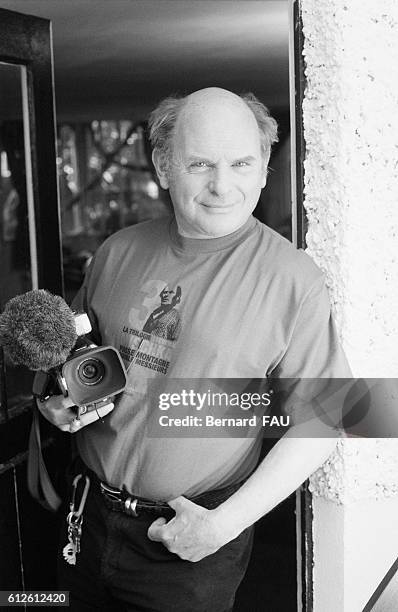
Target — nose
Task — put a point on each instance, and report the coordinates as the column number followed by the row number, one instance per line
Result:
column 220, row 181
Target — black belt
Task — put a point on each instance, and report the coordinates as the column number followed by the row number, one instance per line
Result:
column 123, row 501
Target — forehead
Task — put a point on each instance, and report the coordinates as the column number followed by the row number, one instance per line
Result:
column 217, row 129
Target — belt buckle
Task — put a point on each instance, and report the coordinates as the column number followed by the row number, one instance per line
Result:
column 129, row 505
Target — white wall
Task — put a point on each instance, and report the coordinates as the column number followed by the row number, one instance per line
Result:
column 351, row 198
column 356, row 555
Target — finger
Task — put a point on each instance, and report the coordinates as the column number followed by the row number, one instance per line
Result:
column 89, row 417
column 61, row 405
column 61, row 418
column 182, row 503
column 171, row 529
column 155, row 531
column 94, row 415
column 75, row 425
column 64, row 418
column 67, row 402
column 58, row 402
column 195, row 558
column 68, row 425
column 66, row 422
column 105, row 409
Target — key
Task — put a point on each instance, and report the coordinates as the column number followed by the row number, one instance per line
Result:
column 69, row 553
column 76, row 532
column 74, row 521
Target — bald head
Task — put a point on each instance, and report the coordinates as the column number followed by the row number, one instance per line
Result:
column 212, row 107
column 214, row 114
column 172, row 112
column 213, row 96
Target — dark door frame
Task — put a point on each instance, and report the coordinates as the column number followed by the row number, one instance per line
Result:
column 304, row 512
column 27, row 41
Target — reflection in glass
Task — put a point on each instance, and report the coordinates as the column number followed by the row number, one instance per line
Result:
column 15, row 257
column 106, row 183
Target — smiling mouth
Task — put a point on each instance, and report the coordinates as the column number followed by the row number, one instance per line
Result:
column 218, row 207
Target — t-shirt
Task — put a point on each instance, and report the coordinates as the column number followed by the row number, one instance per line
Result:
column 246, row 305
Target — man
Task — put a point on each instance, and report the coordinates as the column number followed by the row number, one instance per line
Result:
column 251, row 306
column 165, row 320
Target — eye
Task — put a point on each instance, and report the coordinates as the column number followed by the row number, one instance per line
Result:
column 199, row 164
column 241, row 164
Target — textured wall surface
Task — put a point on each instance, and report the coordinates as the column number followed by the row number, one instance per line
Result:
column 351, row 170
column 351, row 198
column 359, row 470
column 350, row 117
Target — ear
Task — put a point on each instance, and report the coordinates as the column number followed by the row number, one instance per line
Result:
column 264, row 173
column 158, row 162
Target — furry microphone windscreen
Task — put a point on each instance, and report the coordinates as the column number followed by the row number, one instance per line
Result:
column 37, row 329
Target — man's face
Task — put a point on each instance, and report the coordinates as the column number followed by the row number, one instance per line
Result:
column 166, row 296
column 217, row 170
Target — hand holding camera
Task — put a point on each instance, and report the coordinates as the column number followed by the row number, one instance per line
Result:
column 61, row 412
column 39, row 330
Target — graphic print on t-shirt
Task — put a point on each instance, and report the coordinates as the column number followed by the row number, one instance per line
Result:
column 152, row 331
column 165, row 319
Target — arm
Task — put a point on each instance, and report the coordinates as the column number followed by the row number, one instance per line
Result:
column 290, row 462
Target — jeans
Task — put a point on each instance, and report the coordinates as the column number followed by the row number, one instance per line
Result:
column 120, row 569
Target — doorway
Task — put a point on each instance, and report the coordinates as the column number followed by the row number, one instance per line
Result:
column 91, row 130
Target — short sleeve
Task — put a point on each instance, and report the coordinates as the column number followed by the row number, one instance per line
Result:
column 307, row 380
column 314, row 350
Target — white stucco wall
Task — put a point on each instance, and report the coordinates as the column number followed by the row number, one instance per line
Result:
column 351, row 197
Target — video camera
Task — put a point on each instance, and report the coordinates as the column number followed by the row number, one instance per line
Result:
column 90, row 376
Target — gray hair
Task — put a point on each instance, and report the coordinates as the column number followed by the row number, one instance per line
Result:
column 163, row 119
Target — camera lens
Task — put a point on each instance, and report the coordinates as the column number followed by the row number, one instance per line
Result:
column 91, row 371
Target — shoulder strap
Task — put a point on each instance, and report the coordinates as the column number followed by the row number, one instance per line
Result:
column 39, row 482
